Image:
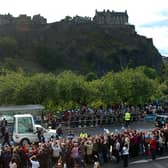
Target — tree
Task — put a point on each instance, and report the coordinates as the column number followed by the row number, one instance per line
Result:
column 10, row 85
column 164, row 72
column 66, row 19
column 91, row 76
column 106, row 88
column 149, row 72
column 134, row 87
column 39, row 89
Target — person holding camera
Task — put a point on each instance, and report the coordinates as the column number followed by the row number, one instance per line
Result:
column 34, row 162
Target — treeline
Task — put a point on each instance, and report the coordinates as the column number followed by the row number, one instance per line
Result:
column 68, row 90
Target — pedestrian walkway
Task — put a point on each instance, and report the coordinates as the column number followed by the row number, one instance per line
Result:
column 152, row 164
column 160, row 162
column 148, row 160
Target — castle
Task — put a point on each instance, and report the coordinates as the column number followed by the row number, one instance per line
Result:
column 104, row 18
column 111, row 18
column 22, row 19
column 101, row 18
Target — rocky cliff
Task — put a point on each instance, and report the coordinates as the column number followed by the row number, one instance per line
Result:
column 81, row 48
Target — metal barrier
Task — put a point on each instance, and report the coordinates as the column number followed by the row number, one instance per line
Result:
column 78, row 121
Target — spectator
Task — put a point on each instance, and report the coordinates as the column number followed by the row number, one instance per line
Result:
column 75, row 154
column 35, row 163
column 6, row 156
column 117, row 149
column 89, row 151
column 56, row 151
column 125, row 152
column 13, row 163
column 40, row 135
column 153, row 147
column 59, row 131
column 70, row 135
column 4, row 124
column 96, row 162
column 6, row 137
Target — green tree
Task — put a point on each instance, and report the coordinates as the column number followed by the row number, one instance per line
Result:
column 66, row 19
column 149, row 72
column 39, row 89
column 91, row 76
column 106, row 89
column 10, row 85
column 134, row 87
column 164, row 72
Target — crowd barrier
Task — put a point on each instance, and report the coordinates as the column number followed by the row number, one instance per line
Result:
column 99, row 120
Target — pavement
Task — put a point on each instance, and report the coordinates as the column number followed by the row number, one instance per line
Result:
column 139, row 162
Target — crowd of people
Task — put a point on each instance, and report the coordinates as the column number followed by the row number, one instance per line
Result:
column 85, row 151
column 86, row 116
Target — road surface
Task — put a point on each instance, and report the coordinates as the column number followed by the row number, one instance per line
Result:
column 161, row 162
column 138, row 125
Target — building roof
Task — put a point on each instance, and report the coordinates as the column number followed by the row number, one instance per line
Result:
column 23, row 115
column 36, row 107
column 112, row 13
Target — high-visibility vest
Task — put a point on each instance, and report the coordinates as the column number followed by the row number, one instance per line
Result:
column 127, row 116
column 83, row 135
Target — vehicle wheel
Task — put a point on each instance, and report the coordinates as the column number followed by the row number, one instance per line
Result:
column 25, row 142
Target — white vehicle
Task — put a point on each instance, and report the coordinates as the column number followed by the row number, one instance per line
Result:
column 48, row 133
column 25, row 131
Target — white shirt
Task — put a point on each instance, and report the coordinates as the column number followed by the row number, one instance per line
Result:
column 56, row 150
column 35, row 164
column 125, row 151
column 12, row 165
column 117, row 146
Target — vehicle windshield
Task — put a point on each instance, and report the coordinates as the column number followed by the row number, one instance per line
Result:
column 25, row 125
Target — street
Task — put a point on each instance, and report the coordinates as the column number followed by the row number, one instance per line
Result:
column 138, row 125
column 161, row 162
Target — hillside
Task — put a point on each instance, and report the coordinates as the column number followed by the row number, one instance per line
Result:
column 80, row 47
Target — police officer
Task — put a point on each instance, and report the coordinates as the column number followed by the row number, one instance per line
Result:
column 83, row 135
column 127, row 118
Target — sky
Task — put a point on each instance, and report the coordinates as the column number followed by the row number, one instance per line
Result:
column 150, row 17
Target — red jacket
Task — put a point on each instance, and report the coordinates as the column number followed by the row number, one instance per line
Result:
column 153, row 144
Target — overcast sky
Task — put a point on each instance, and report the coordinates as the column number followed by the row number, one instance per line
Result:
column 150, row 17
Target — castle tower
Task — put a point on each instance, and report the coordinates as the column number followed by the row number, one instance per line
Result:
column 110, row 18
